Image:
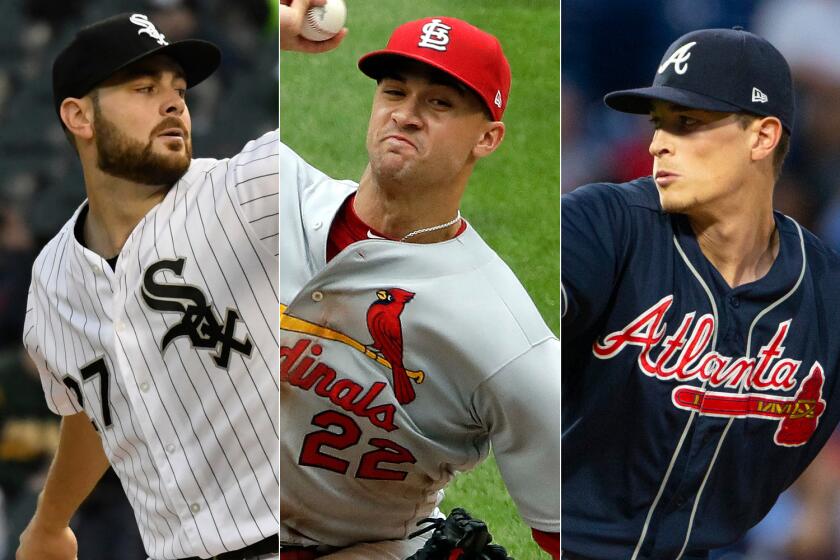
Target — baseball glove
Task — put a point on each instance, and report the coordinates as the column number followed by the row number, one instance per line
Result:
column 458, row 537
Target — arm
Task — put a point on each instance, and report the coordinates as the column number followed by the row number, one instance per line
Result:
column 78, row 465
column 520, row 406
column 291, row 18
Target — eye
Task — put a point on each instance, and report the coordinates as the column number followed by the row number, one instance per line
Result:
column 440, row 102
column 182, row 92
column 688, row 122
column 145, row 89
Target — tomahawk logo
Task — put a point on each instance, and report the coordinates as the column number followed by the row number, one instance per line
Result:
column 199, row 321
column 147, row 28
column 679, row 59
column 435, row 35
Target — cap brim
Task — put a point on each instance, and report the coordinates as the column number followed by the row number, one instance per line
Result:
column 199, row 59
column 638, row 101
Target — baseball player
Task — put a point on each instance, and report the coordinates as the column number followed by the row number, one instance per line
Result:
column 407, row 345
column 152, row 313
column 699, row 355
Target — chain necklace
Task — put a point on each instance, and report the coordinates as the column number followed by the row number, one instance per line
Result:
column 433, row 228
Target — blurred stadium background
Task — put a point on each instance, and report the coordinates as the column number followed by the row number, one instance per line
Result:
column 41, row 185
column 615, row 44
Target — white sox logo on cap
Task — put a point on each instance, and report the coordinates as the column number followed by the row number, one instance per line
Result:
column 679, row 59
column 147, row 28
column 435, row 35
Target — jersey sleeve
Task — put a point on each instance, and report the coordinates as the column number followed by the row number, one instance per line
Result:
column 60, row 399
column 594, row 232
column 520, row 405
column 255, row 186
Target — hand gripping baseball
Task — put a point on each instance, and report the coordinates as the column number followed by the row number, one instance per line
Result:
column 292, row 14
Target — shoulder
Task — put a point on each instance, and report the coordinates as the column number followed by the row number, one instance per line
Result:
column 504, row 306
column 640, row 193
column 54, row 253
column 819, row 257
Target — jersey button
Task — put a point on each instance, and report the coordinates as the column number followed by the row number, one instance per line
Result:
column 170, row 448
column 144, row 386
column 317, row 296
column 734, row 301
column 317, row 225
column 195, row 508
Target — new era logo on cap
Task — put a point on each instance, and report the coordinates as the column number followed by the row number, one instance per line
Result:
column 758, row 96
column 435, row 35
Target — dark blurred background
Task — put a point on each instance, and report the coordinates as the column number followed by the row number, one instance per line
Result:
column 617, row 44
column 41, row 185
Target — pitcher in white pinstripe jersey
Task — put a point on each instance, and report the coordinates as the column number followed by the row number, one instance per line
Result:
column 152, row 314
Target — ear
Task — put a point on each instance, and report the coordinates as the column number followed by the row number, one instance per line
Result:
column 77, row 116
column 767, row 133
column 491, row 138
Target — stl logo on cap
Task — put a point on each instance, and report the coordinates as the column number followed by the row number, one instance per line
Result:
column 147, row 28
column 435, row 35
column 679, row 59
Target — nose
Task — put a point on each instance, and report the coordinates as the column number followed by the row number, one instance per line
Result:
column 660, row 144
column 406, row 114
column 174, row 104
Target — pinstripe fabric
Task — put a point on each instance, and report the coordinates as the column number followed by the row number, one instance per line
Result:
column 192, row 435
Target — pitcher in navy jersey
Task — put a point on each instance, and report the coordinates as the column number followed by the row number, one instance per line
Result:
column 700, row 358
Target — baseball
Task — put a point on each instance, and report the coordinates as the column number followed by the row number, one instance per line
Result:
column 323, row 22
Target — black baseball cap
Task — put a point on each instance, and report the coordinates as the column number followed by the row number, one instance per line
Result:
column 727, row 70
column 99, row 50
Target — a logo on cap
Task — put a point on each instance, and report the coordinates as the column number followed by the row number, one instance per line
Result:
column 435, row 35
column 147, row 28
column 679, row 59
column 759, row 96
column 498, row 100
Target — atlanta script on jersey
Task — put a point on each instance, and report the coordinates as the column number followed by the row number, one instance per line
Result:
column 688, row 406
column 173, row 354
column 400, row 364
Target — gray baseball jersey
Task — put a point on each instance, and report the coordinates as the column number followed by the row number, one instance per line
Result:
column 400, row 364
column 173, row 354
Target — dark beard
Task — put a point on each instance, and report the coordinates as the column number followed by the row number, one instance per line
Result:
column 123, row 157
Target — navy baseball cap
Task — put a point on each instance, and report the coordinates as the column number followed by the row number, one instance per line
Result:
column 727, row 70
column 99, row 50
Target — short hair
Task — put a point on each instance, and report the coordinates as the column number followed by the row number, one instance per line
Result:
column 782, row 148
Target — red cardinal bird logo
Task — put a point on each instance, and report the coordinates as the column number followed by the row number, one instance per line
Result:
column 383, row 322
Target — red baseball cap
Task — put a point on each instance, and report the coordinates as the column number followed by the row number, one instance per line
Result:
column 465, row 52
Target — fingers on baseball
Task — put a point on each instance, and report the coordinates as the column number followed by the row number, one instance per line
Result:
column 322, row 46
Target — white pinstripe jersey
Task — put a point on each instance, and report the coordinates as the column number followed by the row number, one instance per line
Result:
column 173, row 355
column 360, row 463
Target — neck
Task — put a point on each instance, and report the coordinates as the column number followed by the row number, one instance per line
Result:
column 115, row 207
column 742, row 245
column 397, row 211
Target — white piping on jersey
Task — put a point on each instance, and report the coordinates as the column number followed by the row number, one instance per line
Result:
column 563, row 303
column 676, row 454
column 741, row 386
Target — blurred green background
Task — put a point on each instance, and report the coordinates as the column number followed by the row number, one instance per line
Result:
column 513, row 199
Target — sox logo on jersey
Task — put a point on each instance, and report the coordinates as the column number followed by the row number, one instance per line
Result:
column 199, row 322
column 684, row 356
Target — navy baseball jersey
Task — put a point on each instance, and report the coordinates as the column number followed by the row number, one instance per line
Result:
column 688, row 405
